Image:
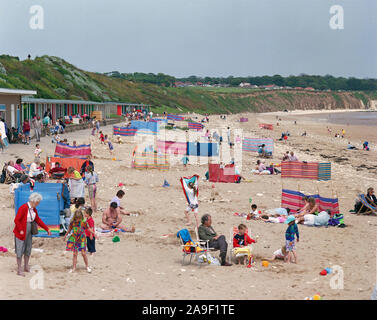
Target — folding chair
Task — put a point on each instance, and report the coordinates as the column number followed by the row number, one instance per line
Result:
column 190, row 248
column 9, row 178
column 364, row 203
column 233, row 232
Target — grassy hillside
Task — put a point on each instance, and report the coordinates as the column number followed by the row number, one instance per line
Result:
column 55, row 78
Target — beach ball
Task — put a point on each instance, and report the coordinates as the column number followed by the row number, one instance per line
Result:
column 265, row 263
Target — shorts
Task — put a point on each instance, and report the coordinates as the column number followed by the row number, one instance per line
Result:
column 27, row 133
column 192, row 207
column 290, row 245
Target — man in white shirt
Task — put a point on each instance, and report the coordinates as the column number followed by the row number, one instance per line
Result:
column 292, row 157
column 120, row 194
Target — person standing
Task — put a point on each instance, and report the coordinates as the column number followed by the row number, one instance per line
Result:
column 26, row 215
column 37, row 125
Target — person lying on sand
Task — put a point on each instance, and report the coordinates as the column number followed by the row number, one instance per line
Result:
column 280, row 219
column 112, row 219
column 278, row 212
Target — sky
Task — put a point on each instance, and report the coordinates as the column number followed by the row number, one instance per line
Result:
column 198, row 37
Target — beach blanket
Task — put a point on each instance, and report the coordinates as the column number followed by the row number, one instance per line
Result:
column 76, row 188
column 294, row 200
column 65, row 151
column 124, row 131
column 184, row 182
column 172, row 147
column 195, row 126
column 226, row 174
column 266, row 126
column 202, row 149
column 64, row 163
column 252, row 144
column 306, row 170
column 175, row 117
column 244, row 119
column 145, row 128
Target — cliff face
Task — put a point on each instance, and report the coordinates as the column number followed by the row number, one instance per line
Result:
column 54, row 78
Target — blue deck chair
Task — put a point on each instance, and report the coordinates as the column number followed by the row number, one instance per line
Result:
column 365, row 203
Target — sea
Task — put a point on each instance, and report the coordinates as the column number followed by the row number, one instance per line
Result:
column 358, row 118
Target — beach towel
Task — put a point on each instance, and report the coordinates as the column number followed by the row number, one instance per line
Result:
column 175, row 117
column 65, row 151
column 252, row 144
column 266, row 126
column 184, row 182
column 76, row 188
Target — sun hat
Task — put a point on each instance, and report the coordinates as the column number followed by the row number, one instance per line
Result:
column 290, row 219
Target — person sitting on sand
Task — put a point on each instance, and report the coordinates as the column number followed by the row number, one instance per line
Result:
column 350, row 146
column 279, row 254
column 260, row 168
column 365, row 146
column 286, row 156
column 35, row 168
column 57, row 172
column 305, row 207
column 312, row 208
column 292, row 157
column 207, row 233
column 112, row 219
column 253, row 213
column 119, row 195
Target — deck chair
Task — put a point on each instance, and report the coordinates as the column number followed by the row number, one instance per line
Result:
column 364, row 203
column 203, row 243
column 9, row 178
column 233, row 232
column 190, row 248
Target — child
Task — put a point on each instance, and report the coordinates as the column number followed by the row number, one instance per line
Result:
column 111, row 147
column 94, row 131
column 90, row 233
column 193, row 206
column 241, row 240
column 91, row 178
column 56, row 138
column 292, row 230
column 185, row 160
column 101, row 137
column 77, row 239
column 78, row 204
column 119, row 140
column 37, row 151
column 253, row 213
column 280, row 253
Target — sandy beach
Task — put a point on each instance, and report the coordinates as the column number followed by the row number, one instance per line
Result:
column 146, row 265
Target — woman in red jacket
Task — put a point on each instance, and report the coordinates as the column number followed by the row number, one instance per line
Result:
column 26, row 131
column 26, row 214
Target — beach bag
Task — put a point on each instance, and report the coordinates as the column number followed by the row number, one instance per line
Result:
column 336, row 220
column 34, row 227
column 212, row 260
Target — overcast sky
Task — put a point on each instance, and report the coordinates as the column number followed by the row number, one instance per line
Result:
column 198, row 37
